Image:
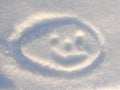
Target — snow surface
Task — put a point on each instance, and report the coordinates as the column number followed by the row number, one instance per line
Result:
column 59, row 45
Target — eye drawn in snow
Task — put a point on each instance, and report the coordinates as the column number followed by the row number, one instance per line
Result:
column 57, row 42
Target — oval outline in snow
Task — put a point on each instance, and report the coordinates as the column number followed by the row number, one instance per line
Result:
column 40, row 20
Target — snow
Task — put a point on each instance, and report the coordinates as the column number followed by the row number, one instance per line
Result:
column 59, row 45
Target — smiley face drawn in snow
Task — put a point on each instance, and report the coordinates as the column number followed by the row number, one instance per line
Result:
column 56, row 42
column 68, row 52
